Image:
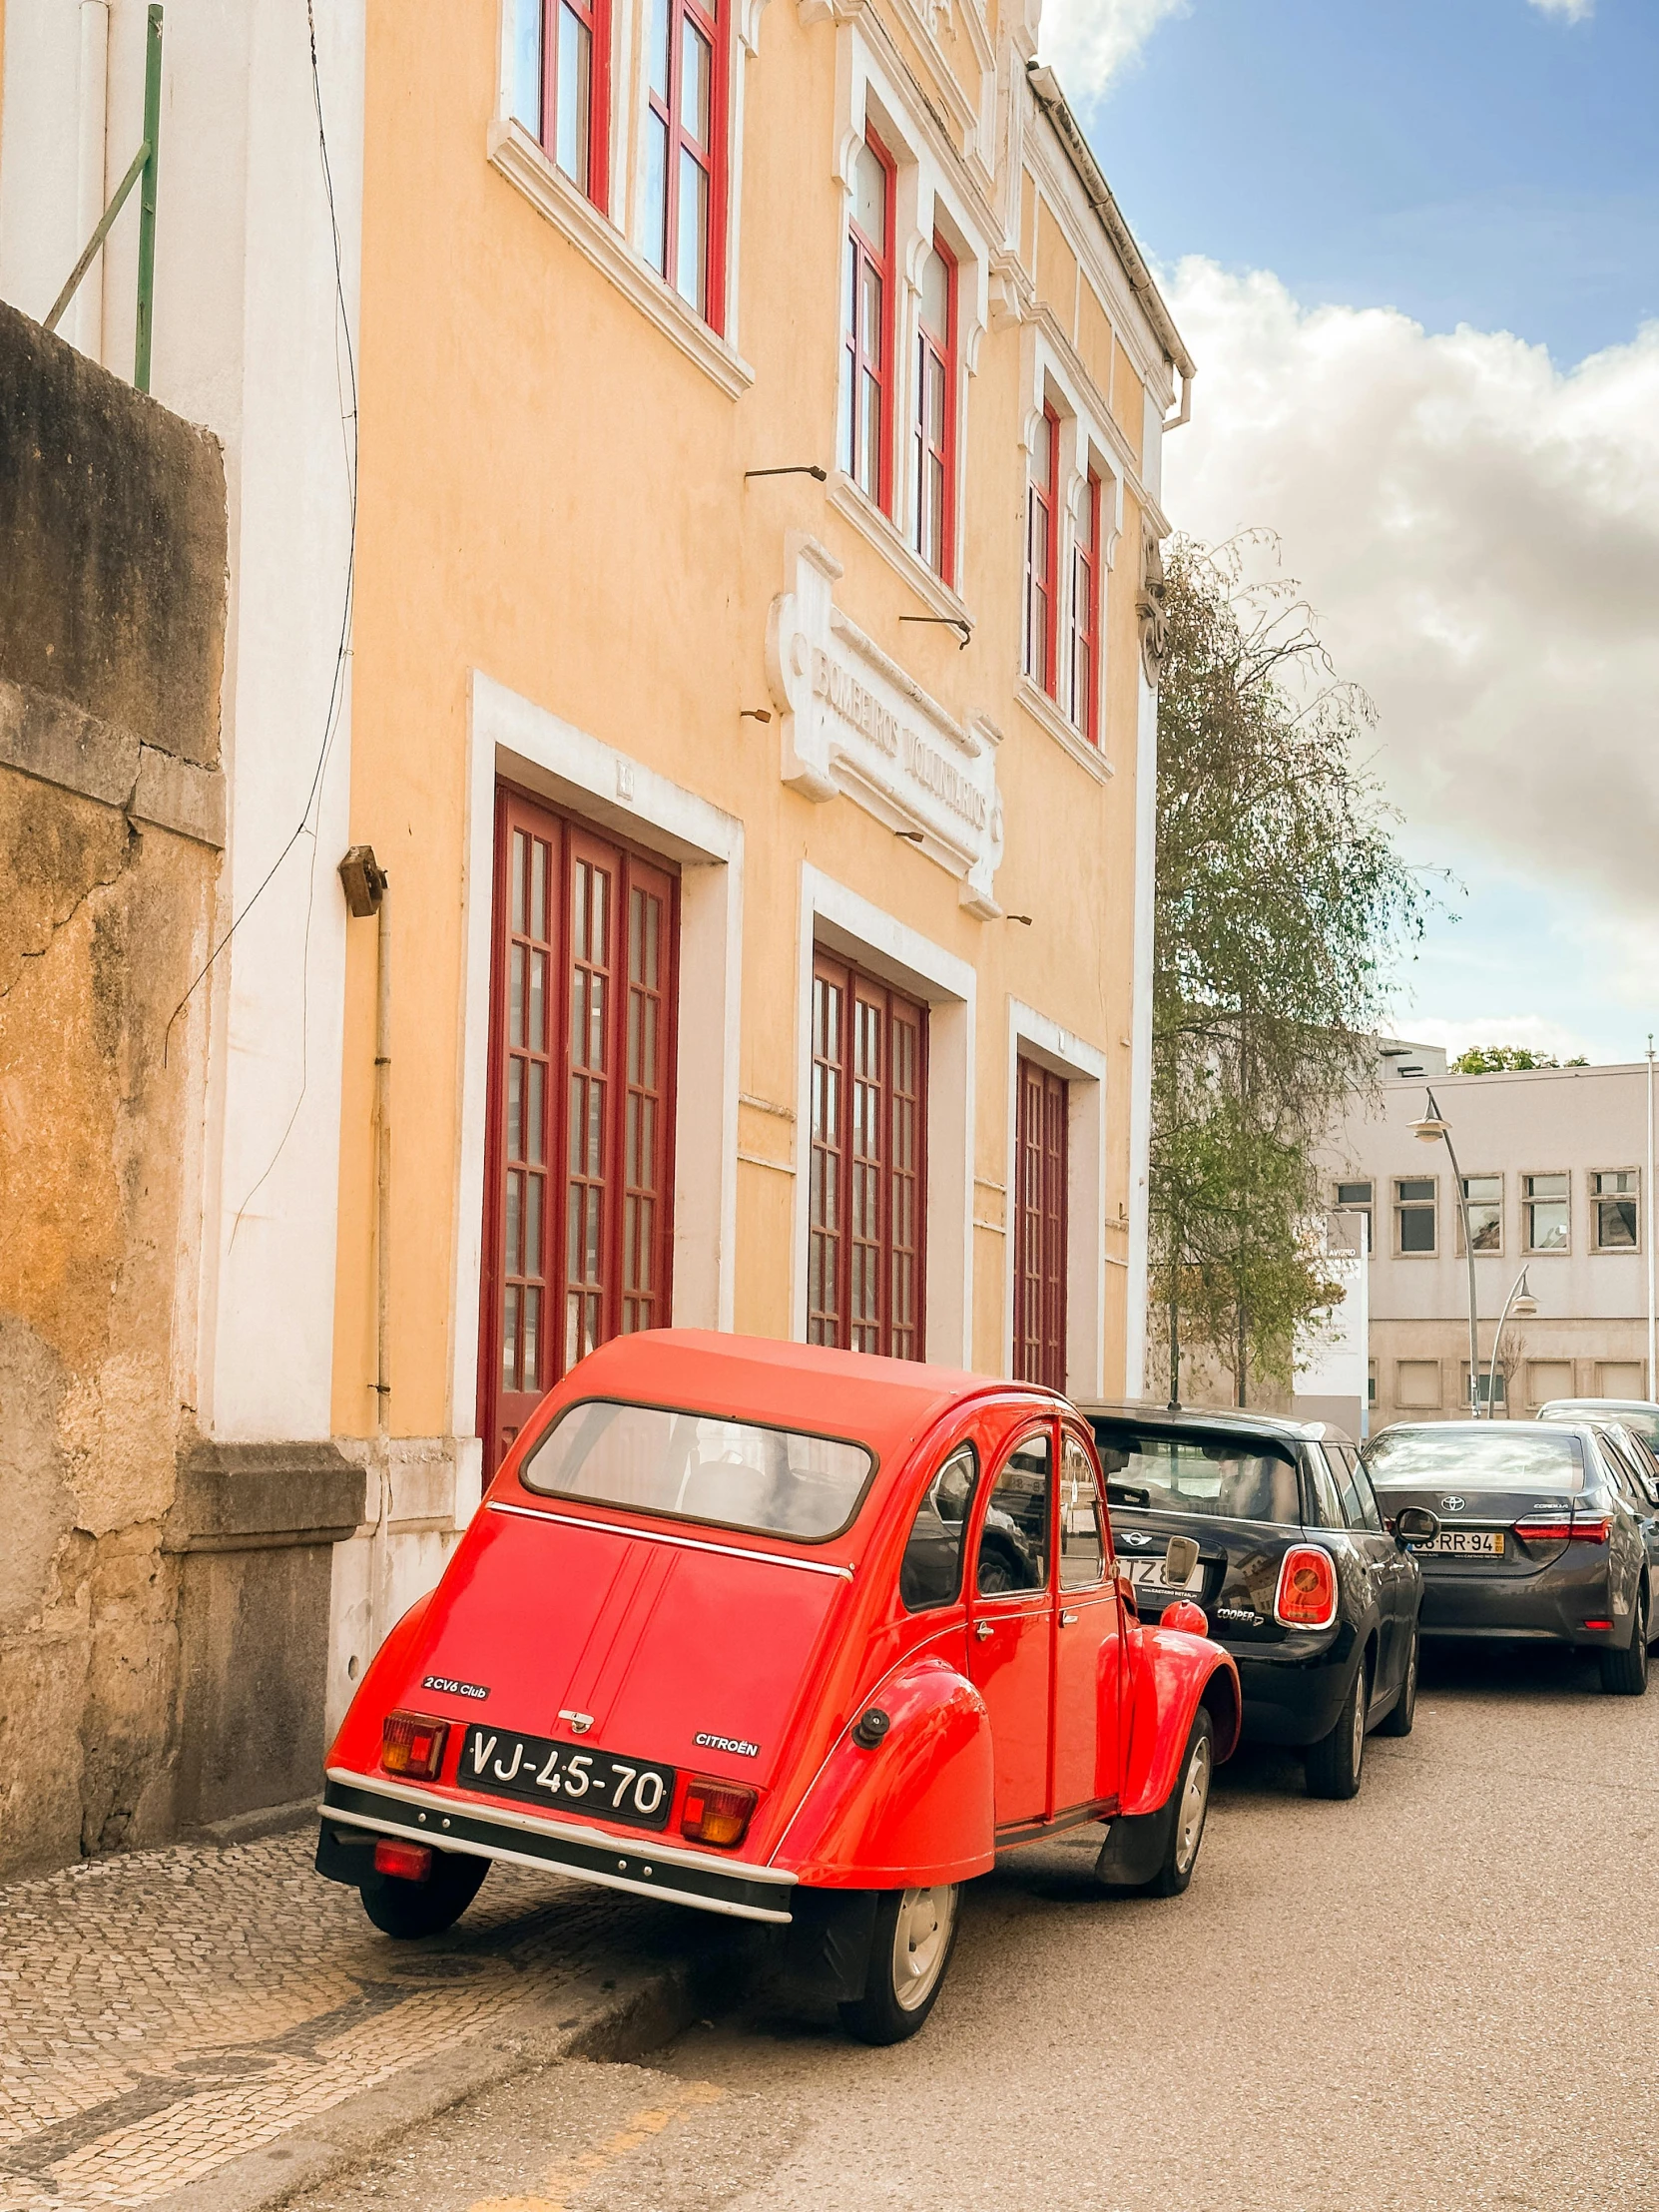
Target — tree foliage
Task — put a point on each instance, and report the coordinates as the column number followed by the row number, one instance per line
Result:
column 1496, row 1059
column 1281, row 900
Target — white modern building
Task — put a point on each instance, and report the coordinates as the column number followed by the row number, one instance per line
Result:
column 1554, row 1165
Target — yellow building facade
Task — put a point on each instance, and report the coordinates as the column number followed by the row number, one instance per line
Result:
column 782, row 613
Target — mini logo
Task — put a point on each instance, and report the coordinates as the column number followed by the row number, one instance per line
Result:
column 1454, row 1504
column 580, row 1723
column 447, row 1683
column 1135, row 1536
column 727, row 1743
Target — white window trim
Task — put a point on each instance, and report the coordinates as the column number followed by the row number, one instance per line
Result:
column 850, row 928
column 925, row 202
column 1528, row 1250
column 511, row 737
column 1035, row 1036
column 1085, row 446
column 611, row 243
column 1592, row 1200
column 1395, row 1203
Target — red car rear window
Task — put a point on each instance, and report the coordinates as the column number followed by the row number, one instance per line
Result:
column 695, row 1466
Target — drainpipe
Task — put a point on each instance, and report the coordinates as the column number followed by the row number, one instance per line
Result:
column 365, row 885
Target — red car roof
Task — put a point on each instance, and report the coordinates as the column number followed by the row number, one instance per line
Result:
column 882, row 1403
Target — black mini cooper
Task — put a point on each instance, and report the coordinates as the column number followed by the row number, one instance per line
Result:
column 1315, row 1596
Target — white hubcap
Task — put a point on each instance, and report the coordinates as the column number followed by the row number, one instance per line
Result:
column 920, row 1941
column 1195, row 1800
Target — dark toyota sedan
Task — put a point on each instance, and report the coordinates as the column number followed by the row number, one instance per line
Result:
column 1542, row 1535
column 1316, row 1599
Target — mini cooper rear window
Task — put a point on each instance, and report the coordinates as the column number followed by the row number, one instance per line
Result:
column 1459, row 1455
column 1186, row 1472
column 692, row 1466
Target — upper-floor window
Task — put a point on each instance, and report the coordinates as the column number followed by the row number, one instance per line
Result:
column 1356, row 1198
column 1613, row 1198
column 1548, row 1212
column 936, row 411
column 685, row 189
column 1085, row 615
column 561, row 85
column 1414, row 1212
column 1483, row 1196
column 1041, row 552
column 866, row 365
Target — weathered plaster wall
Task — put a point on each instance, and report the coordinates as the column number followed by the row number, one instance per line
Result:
column 112, row 601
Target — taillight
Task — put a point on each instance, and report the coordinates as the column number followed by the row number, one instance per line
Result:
column 411, row 1745
column 1564, row 1528
column 1306, row 1593
column 408, row 1861
column 715, row 1811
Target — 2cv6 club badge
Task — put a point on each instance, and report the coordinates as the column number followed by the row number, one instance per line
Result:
column 900, row 1577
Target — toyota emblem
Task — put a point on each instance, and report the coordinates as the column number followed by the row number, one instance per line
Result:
column 1454, row 1504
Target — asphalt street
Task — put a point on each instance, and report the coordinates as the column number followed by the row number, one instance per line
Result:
column 1439, row 1995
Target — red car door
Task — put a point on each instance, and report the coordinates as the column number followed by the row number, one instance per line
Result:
column 1088, row 1641
column 1011, row 1622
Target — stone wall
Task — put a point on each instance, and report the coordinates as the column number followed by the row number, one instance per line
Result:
column 112, row 639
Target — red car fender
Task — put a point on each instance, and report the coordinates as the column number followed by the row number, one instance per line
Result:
column 1172, row 1675
column 914, row 1811
column 357, row 1745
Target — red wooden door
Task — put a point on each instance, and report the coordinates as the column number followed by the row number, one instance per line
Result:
column 1041, row 1112
column 867, row 1199
column 578, row 1194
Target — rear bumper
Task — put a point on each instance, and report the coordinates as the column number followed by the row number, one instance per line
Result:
column 1295, row 1701
column 355, row 1812
column 1551, row 1605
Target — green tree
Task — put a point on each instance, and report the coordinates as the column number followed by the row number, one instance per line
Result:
column 1281, row 900
column 1494, row 1060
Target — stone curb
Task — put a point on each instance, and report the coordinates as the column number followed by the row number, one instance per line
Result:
column 639, row 2014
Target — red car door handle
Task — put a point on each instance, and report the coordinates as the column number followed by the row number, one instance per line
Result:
column 982, row 1629
column 1066, row 1620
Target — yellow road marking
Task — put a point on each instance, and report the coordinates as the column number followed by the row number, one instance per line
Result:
column 567, row 2181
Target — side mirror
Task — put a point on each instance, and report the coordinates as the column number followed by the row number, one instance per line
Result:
column 1416, row 1524
column 1184, row 1614
column 1180, row 1560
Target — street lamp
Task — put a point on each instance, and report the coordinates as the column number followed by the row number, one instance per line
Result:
column 1524, row 1306
column 1432, row 1129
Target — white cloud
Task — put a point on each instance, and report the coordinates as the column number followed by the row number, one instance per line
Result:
column 1478, row 533
column 1089, row 41
column 1575, row 11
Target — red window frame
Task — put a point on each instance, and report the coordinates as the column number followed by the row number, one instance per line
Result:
column 1042, row 1106
column 1042, row 509
column 866, row 362
column 594, row 18
column 671, row 21
column 1085, row 619
column 867, row 1202
column 579, row 1153
column 936, row 427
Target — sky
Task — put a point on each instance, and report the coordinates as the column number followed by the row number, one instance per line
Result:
column 1414, row 248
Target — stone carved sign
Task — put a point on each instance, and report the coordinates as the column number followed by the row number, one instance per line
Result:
column 854, row 724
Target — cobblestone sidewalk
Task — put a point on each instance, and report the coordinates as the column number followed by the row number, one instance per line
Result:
column 163, row 2012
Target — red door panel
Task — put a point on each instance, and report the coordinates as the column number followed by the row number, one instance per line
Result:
column 1088, row 1641
column 578, row 1184
column 1011, row 1625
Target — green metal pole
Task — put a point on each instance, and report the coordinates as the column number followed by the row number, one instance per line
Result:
column 147, row 202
